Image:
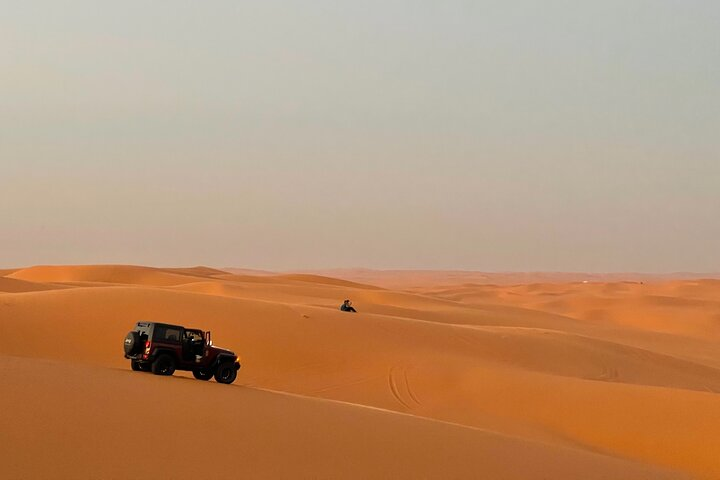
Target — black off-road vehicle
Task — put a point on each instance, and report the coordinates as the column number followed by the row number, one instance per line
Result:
column 163, row 348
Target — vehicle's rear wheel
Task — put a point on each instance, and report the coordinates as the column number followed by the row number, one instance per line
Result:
column 164, row 365
column 135, row 366
column 145, row 367
column 203, row 374
column 226, row 373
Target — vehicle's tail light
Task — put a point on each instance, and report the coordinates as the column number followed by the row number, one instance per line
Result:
column 147, row 347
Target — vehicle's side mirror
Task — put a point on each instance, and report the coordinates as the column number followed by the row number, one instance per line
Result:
column 208, row 339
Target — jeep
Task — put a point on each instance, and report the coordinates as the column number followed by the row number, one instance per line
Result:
column 163, row 348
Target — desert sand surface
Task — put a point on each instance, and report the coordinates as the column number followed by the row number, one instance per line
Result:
column 435, row 376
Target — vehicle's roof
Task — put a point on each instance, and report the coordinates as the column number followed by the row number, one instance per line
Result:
column 148, row 324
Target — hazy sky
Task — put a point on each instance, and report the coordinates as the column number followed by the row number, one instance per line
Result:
column 491, row 135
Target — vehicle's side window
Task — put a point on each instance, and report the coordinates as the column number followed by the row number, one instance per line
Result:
column 158, row 333
column 167, row 334
column 172, row 334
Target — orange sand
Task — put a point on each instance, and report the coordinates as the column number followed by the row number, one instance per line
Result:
column 444, row 379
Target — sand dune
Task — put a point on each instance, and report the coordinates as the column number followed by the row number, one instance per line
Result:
column 323, row 280
column 11, row 285
column 91, row 420
column 406, row 279
column 118, row 274
column 199, row 271
column 690, row 308
column 529, row 391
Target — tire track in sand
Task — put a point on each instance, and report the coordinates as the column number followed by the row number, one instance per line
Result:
column 395, row 389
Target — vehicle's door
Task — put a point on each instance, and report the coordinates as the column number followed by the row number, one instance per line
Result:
column 192, row 342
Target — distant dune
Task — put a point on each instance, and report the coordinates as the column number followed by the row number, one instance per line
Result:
column 424, row 278
column 439, row 375
column 248, row 271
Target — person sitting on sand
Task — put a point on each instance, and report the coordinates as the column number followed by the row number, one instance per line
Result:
column 347, row 306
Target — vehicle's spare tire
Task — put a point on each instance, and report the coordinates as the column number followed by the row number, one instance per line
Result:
column 132, row 343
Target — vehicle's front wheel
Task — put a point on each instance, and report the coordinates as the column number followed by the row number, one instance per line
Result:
column 203, row 374
column 164, row 365
column 226, row 373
